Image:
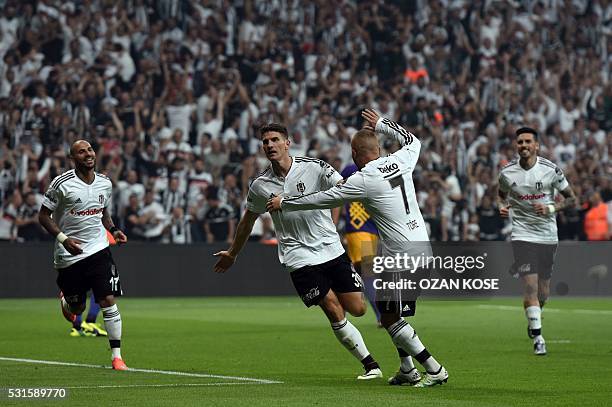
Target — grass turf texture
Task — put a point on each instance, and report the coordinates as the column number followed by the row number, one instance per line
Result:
column 483, row 344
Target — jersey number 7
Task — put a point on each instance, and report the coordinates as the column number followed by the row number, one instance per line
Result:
column 399, row 182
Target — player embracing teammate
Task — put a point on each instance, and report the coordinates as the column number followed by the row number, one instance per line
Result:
column 385, row 187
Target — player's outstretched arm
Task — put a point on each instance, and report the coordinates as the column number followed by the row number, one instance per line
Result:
column 352, row 190
column 243, row 231
column 44, row 218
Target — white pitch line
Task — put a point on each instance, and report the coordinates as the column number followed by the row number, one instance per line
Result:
column 166, row 372
column 115, row 386
column 547, row 309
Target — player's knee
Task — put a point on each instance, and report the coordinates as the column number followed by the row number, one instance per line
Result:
column 106, row 302
column 530, row 296
column 389, row 319
column 359, row 309
column 332, row 308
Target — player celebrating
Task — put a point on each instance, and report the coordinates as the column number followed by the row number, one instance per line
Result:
column 78, row 200
column 384, row 186
column 527, row 188
column 308, row 244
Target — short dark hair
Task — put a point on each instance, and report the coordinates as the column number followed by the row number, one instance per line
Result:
column 529, row 130
column 277, row 127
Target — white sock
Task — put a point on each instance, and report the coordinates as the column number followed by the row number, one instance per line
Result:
column 534, row 319
column 112, row 323
column 350, row 338
column 404, row 336
column 406, row 364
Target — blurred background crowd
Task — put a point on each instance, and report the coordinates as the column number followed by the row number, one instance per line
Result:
column 171, row 94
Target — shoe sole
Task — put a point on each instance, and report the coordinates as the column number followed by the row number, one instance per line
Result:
column 403, row 383
column 440, row 382
column 369, row 377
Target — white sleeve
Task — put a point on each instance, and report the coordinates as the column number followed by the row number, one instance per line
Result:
column 52, row 197
column 411, row 146
column 559, row 181
column 256, row 202
column 329, row 177
column 108, row 201
column 352, row 190
column 504, row 183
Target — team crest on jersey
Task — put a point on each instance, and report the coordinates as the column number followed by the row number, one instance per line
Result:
column 539, row 186
column 101, row 198
column 301, row 187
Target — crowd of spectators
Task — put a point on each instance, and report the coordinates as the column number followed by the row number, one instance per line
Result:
column 171, row 94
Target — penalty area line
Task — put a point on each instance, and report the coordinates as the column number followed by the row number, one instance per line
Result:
column 165, row 372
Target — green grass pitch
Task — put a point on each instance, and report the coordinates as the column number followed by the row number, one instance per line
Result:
column 483, row 344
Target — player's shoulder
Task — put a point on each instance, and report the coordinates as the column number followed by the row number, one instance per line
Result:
column 316, row 163
column 103, row 178
column 261, row 177
column 547, row 164
column 510, row 166
column 61, row 179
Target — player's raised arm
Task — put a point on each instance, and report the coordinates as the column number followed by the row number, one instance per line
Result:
column 243, row 231
column 351, row 190
column 389, row 128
